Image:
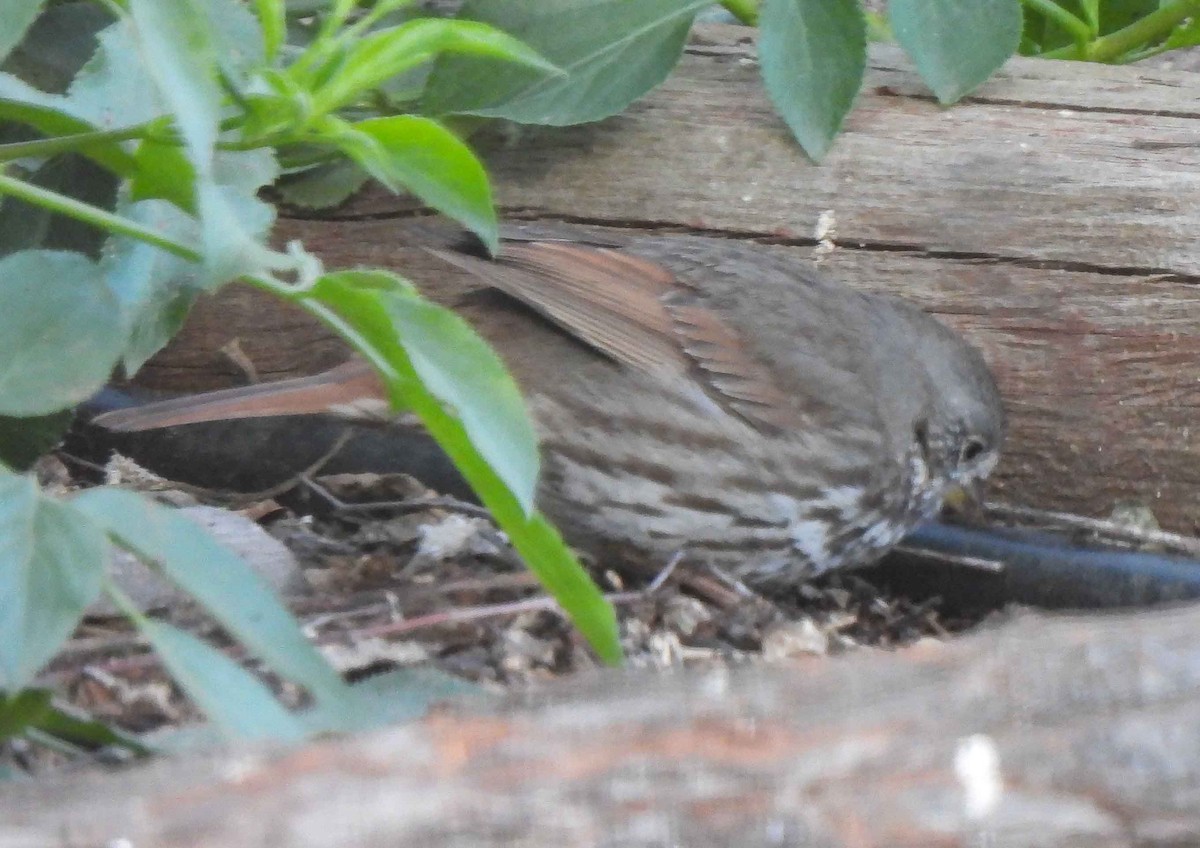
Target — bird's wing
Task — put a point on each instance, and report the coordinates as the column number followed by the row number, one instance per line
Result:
column 638, row 313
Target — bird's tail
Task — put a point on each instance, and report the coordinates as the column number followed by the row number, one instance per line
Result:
column 351, row 390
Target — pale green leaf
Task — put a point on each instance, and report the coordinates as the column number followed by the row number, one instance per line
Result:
column 612, row 52
column 956, row 44
column 422, row 156
column 229, row 589
column 812, row 54
column 51, row 564
column 227, row 693
column 15, row 17
column 60, row 331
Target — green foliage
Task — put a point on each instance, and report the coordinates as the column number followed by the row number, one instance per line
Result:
column 823, row 43
column 131, row 163
column 612, row 52
column 955, row 66
column 192, row 106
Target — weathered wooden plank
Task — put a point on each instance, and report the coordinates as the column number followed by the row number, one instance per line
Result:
column 1059, row 732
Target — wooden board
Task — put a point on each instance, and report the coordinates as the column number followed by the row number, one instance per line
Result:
column 1052, row 217
column 1058, row 732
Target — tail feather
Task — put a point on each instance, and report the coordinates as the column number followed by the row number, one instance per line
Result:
column 351, row 390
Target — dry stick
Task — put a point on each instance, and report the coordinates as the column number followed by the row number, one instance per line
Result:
column 540, row 603
column 401, row 507
column 1121, row 532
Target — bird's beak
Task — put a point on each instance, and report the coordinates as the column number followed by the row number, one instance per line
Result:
column 965, row 498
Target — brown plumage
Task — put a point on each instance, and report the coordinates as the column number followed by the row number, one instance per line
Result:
column 721, row 400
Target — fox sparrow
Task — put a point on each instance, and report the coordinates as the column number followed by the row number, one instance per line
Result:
column 721, row 400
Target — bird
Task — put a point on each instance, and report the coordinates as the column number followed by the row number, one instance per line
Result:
column 719, row 403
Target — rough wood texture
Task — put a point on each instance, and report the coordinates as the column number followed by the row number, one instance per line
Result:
column 1052, row 216
column 1093, row 727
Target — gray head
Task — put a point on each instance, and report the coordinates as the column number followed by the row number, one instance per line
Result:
column 953, row 418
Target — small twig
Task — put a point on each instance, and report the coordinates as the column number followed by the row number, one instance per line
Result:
column 232, row 351
column 1101, row 526
column 399, row 507
column 537, row 604
column 304, row 476
column 978, row 563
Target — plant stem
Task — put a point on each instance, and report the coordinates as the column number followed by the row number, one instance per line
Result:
column 1091, row 12
column 745, row 11
column 93, row 215
column 1079, row 30
column 66, row 143
column 1155, row 26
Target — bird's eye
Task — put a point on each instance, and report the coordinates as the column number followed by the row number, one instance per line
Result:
column 921, row 434
column 972, row 450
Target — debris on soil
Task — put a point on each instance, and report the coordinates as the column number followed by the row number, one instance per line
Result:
column 389, row 574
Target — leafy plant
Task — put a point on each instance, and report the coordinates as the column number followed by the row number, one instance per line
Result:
column 186, row 109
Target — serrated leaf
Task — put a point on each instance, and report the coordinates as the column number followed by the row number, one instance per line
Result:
column 612, row 52
column 16, row 16
column 956, row 44
column 154, row 288
column 111, row 91
column 324, row 186
column 176, row 45
column 60, row 331
column 51, row 564
column 229, row 589
column 422, row 156
column 812, row 54
column 224, row 691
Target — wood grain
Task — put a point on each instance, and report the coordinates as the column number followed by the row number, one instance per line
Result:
column 1084, row 732
column 1051, row 216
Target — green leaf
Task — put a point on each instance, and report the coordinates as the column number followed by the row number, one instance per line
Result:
column 372, row 305
column 419, row 154
column 48, row 114
column 23, row 440
column 21, row 710
column 164, row 171
column 226, row 692
column 1186, row 34
column 154, row 288
column 111, row 91
column 35, row 710
column 381, row 55
column 323, row 186
column 613, row 52
column 25, row 225
column 177, row 49
column 404, row 694
column 812, row 54
column 272, row 17
column 60, row 331
column 234, row 225
column 52, row 560
column 451, row 362
column 16, row 16
column 232, row 592
column 956, row 44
